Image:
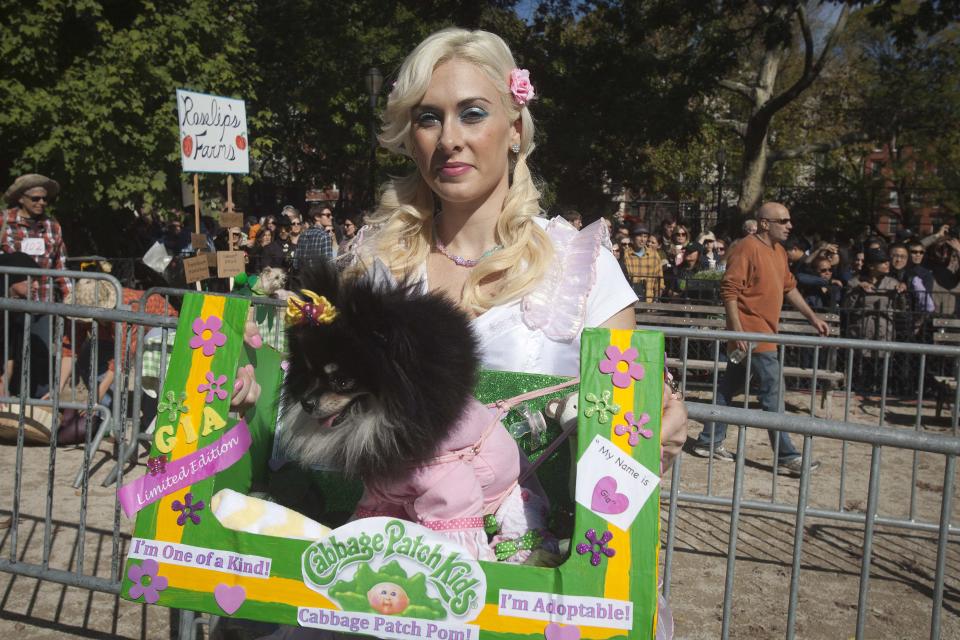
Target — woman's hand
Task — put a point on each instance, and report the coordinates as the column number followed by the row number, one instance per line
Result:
column 673, row 428
column 246, row 390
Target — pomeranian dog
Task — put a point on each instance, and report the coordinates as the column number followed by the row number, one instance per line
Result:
column 380, row 386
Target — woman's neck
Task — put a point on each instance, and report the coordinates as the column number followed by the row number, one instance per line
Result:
column 468, row 230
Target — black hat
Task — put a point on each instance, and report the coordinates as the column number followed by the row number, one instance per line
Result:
column 16, row 260
column 875, row 256
column 690, row 247
column 639, row 229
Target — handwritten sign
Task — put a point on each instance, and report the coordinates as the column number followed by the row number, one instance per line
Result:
column 230, row 263
column 231, row 219
column 198, row 240
column 196, row 268
column 213, row 133
column 612, row 484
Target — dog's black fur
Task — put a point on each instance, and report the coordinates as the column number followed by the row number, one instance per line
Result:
column 377, row 390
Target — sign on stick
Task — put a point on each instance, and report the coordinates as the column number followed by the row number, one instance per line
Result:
column 213, row 133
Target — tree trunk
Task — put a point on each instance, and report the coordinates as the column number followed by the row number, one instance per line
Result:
column 754, row 171
column 755, row 141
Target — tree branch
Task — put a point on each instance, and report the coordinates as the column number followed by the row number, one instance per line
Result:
column 817, row 147
column 739, row 128
column 810, row 69
column 738, row 87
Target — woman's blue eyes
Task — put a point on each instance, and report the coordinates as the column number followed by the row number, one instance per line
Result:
column 471, row 115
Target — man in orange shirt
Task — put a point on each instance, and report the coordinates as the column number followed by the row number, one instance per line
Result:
column 754, row 286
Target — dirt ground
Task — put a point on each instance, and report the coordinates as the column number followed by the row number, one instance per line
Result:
column 900, row 586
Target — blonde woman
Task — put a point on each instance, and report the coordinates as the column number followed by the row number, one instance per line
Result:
column 466, row 222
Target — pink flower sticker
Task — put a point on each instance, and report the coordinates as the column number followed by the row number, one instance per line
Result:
column 634, row 427
column 214, row 387
column 622, row 365
column 520, row 86
column 207, row 335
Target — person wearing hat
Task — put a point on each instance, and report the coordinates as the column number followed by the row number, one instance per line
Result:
column 681, row 277
column 871, row 299
column 27, row 228
column 284, row 239
column 644, row 267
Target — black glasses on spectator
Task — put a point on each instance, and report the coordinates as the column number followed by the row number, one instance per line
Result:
column 720, row 248
column 778, row 220
column 825, row 271
column 295, row 224
column 917, row 252
column 38, row 198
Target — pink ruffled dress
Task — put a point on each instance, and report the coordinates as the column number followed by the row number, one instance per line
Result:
column 474, row 474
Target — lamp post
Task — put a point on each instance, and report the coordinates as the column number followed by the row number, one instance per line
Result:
column 374, row 81
column 721, row 167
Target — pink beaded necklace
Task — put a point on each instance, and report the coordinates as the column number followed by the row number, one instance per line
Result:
column 460, row 261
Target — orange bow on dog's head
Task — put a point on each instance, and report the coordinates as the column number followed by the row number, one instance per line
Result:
column 318, row 311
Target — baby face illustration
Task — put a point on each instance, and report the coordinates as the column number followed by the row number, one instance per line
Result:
column 388, row 598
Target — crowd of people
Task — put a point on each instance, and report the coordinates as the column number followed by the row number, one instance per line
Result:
column 289, row 240
column 885, row 288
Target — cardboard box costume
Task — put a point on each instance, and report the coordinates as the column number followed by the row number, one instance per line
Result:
column 383, row 576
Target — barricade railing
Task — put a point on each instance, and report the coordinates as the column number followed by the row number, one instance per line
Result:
column 684, row 489
column 908, row 427
column 876, row 438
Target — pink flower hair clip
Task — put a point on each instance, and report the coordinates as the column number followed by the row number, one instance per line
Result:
column 520, row 86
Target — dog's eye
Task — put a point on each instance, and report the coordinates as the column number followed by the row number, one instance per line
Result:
column 342, row 384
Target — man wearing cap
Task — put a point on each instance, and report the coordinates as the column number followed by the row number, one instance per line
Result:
column 643, row 266
column 754, row 286
column 27, row 228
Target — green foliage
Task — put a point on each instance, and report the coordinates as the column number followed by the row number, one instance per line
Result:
column 352, row 595
column 87, row 91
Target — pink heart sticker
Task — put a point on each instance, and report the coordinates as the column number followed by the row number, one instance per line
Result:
column 555, row 631
column 606, row 499
column 229, row 598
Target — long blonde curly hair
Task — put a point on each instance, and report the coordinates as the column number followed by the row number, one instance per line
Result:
column 403, row 221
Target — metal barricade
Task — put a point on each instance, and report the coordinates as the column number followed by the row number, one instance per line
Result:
column 845, row 490
column 92, row 558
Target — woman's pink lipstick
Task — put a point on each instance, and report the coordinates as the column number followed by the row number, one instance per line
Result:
column 453, row 169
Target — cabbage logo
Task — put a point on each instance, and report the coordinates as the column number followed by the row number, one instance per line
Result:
column 393, row 567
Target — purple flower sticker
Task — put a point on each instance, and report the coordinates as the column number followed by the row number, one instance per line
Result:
column 622, row 365
column 207, row 335
column 188, row 509
column 214, row 387
column 146, row 582
column 634, row 427
column 157, row 464
column 597, row 547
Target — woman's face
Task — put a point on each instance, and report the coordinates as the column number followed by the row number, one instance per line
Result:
column 349, row 229
column 462, row 135
column 617, row 253
column 266, row 237
column 680, row 236
column 653, row 242
column 858, row 261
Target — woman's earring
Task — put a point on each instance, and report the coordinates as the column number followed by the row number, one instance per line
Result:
column 515, row 147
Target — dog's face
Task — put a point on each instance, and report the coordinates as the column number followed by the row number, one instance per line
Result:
column 378, row 388
column 272, row 280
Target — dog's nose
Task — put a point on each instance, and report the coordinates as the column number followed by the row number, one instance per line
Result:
column 308, row 405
